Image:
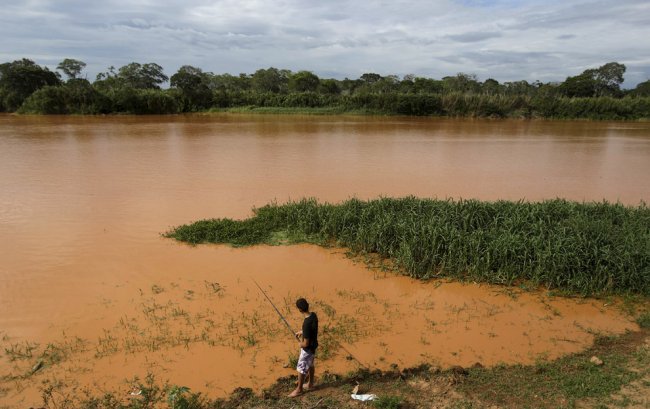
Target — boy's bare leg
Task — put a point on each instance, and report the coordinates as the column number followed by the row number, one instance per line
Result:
column 310, row 381
column 298, row 390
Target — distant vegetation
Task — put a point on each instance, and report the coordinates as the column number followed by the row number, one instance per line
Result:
column 135, row 88
column 584, row 248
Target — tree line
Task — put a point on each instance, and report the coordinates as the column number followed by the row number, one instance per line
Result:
column 136, row 88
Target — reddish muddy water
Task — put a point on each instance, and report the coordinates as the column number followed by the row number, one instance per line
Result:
column 88, row 285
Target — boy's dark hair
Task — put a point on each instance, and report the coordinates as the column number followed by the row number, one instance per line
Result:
column 302, row 305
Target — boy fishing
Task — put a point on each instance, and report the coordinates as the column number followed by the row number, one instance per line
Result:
column 308, row 339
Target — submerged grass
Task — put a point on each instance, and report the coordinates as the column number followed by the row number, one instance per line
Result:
column 569, row 382
column 583, row 248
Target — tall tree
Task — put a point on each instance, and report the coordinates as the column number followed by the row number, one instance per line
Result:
column 387, row 84
column 518, row 88
column 19, row 79
column 605, row 80
column 303, row 81
column 582, row 86
column 270, row 80
column 491, row 86
column 329, row 86
column 142, row 76
column 228, row 82
column 365, row 83
column 71, row 67
column 427, row 85
column 370, row 78
column 609, row 78
column 462, row 82
column 194, row 85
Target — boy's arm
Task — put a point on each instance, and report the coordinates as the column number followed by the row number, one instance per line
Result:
column 304, row 343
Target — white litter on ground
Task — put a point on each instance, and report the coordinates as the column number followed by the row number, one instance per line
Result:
column 364, row 397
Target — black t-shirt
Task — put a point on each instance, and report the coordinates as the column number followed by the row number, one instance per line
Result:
column 310, row 331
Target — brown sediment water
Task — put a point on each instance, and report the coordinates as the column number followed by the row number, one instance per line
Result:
column 88, row 284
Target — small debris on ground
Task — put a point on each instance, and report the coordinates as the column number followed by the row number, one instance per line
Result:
column 37, row 367
column 364, row 398
column 359, row 396
column 596, row 361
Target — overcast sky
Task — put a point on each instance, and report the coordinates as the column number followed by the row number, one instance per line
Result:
column 544, row 40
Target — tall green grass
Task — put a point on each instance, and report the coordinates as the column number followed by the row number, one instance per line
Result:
column 585, row 248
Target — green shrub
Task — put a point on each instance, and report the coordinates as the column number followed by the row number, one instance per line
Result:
column 180, row 397
column 388, row 402
column 644, row 320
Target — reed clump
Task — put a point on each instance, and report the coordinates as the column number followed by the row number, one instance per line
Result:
column 583, row 248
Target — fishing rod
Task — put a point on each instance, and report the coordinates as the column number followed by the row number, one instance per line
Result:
column 293, row 334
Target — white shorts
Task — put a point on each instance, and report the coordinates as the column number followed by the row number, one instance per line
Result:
column 305, row 361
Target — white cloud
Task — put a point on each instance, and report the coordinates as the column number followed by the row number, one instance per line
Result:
column 502, row 39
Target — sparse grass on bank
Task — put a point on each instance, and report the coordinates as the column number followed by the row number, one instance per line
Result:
column 332, row 110
column 582, row 248
column 282, row 110
column 565, row 383
column 562, row 382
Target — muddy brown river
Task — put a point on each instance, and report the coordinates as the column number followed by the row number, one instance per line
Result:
column 90, row 289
